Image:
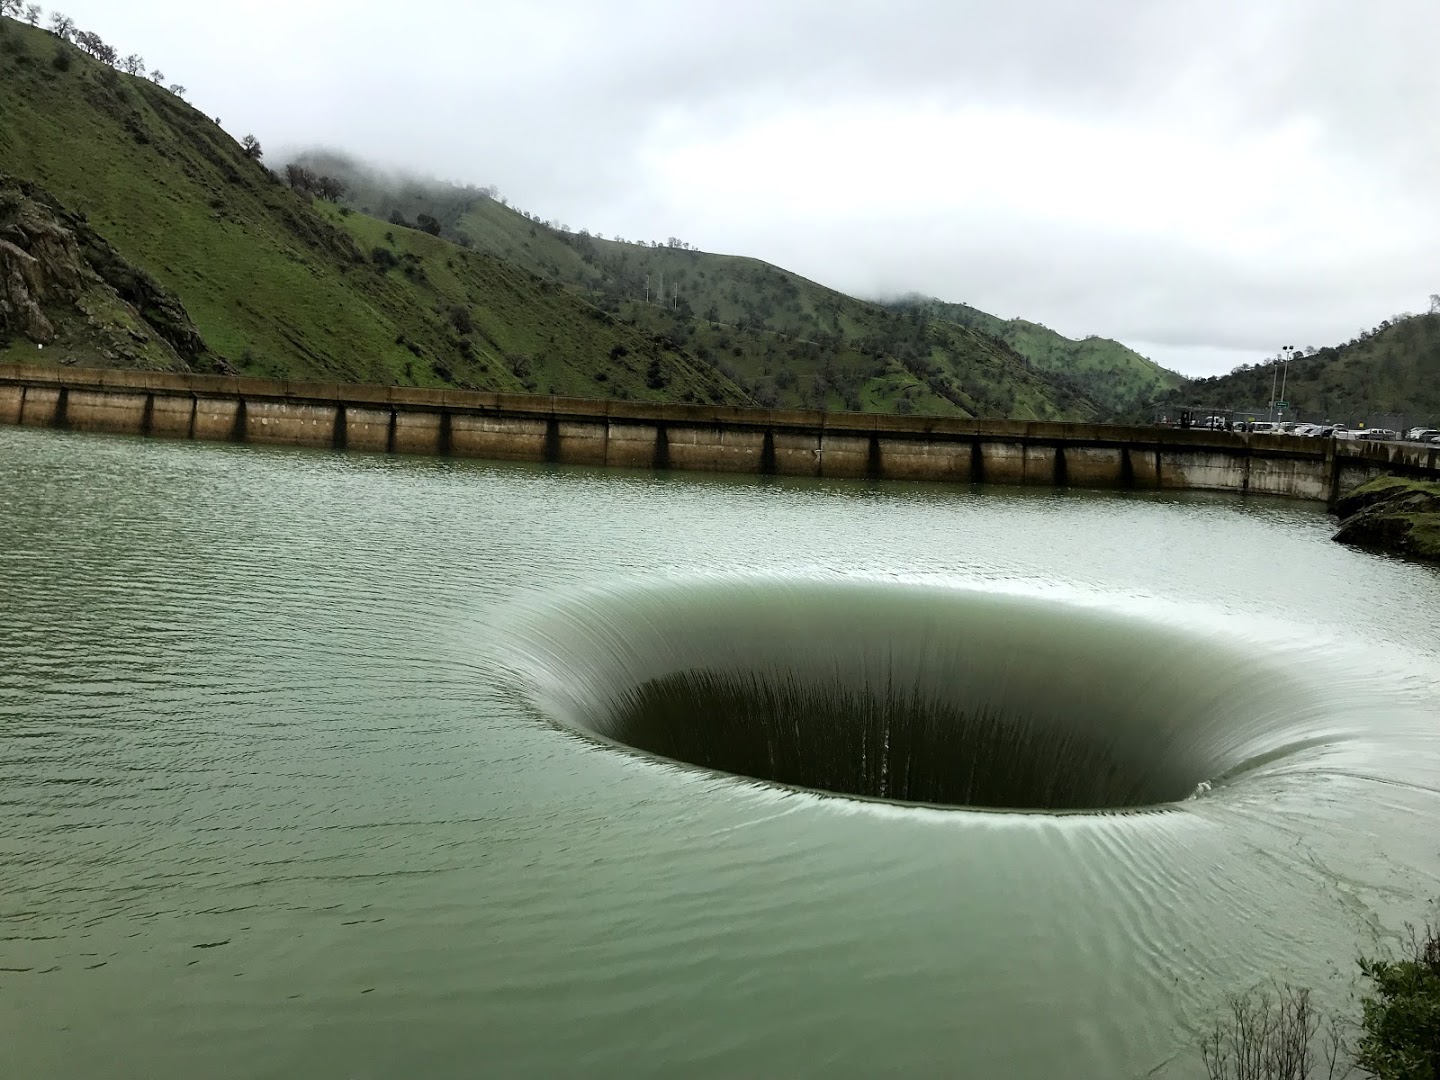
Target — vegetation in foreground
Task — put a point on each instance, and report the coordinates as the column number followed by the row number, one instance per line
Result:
column 1284, row 1038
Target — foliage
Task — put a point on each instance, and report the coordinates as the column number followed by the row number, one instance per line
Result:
column 1401, row 1039
column 1265, row 1038
column 1111, row 374
column 1391, row 370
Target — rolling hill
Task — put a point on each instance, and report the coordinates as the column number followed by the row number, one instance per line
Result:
column 1113, row 375
column 271, row 285
column 1389, row 375
column 785, row 339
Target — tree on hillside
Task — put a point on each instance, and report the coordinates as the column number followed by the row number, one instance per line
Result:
column 1435, row 303
column 134, row 64
column 251, row 146
column 177, row 90
column 10, row 7
column 88, row 41
column 157, row 77
column 428, row 224
column 62, row 26
column 32, row 14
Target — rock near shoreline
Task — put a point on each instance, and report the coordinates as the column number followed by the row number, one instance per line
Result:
column 1394, row 514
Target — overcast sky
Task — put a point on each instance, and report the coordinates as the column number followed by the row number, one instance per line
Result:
column 1205, row 181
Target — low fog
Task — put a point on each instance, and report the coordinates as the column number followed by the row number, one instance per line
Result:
column 1203, row 181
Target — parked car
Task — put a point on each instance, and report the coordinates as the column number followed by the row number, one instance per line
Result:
column 1264, row 427
column 1421, row 434
column 1306, row 431
column 1379, row 434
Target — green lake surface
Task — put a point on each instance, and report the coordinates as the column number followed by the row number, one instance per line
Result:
column 305, row 772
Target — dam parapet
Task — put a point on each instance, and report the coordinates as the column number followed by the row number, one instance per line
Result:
column 710, row 438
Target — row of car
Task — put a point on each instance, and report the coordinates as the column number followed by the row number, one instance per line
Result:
column 1342, row 431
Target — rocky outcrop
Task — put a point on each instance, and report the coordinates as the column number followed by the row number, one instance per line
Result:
column 63, row 286
column 1394, row 514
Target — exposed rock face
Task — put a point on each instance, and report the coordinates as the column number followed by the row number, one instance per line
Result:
column 1394, row 514
column 62, row 285
column 22, row 286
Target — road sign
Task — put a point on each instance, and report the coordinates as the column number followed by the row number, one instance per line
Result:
column 1282, row 404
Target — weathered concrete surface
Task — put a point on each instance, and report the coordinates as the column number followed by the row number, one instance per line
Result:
column 480, row 424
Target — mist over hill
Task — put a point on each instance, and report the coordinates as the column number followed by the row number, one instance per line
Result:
column 785, row 339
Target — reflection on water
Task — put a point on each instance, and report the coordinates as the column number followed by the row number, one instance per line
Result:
column 282, row 794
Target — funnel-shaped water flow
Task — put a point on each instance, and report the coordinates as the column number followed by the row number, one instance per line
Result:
column 914, row 693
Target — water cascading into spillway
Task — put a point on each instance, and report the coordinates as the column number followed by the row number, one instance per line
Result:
column 915, row 693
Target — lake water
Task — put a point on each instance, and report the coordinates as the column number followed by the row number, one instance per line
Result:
column 309, row 766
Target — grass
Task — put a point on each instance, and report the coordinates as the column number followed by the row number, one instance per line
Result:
column 1392, row 371
column 279, row 287
column 1113, row 375
column 786, row 340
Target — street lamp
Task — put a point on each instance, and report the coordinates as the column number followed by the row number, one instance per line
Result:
column 1286, row 354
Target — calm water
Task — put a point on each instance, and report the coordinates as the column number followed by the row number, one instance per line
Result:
column 290, row 785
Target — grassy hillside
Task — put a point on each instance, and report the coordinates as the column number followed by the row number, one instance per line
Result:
column 277, row 287
column 785, row 339
column 1391, row 371
column 1113, row 375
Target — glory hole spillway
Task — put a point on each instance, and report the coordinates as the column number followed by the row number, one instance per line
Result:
column 323, row 763
column 917, row 693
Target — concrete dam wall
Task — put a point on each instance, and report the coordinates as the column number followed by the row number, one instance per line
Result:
column 515, row 427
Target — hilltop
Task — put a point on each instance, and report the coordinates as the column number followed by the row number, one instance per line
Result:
column 1113, row 375
column 1390, row 371
column 271, row 285
column 785, row 339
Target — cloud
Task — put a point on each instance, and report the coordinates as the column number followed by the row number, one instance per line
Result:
column 1205, row 179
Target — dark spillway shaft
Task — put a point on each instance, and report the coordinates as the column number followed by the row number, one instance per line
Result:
column 880, row 742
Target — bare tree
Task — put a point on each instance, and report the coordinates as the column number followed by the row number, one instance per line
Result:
column 11, row 8
column 134, row 64
column 157, row 77
column 62, row 26
column 251, row 146
column 177, row 90
column 1435, row 303
column 32, row 14
column 88, row 41
column 1273, row 1039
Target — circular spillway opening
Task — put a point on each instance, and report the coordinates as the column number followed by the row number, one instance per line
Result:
column 916, row 694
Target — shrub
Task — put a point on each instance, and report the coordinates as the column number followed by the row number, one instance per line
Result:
column 1265, row 1039
column 384, row 258
column 61, row 60
column 1401, row 1021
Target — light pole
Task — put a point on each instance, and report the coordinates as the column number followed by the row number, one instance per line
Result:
column 1288, row 352
column 1283, row 358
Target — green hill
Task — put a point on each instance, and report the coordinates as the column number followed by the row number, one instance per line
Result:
column 272, row 285
column 785, row 339
column 1113, row 375
column 1392, row 371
